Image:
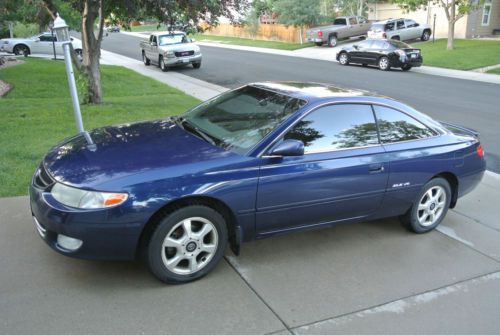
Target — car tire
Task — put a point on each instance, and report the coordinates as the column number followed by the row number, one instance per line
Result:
column 318, row 44
column 332, row 41
column 426, row 35
column 186, row 244
column 163, row 66
column 429, row 208
column 397, row 38
column 344, row 58
column 21, row 49
column 384, row 63
column 197, row 65
column 406, row 67
column 145, row 59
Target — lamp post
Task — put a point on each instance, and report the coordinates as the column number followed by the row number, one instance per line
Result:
column 62, row 33
column 51, row 26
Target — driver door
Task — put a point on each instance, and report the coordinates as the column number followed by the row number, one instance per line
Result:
column 342, row 174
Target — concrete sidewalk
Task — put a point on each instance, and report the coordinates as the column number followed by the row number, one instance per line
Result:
column 329, row 54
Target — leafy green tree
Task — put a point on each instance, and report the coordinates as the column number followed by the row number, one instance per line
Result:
column 170, row 12
column 298, row 13
column 454, row 10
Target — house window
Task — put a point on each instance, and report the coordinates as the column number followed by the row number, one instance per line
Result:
column 486, row 13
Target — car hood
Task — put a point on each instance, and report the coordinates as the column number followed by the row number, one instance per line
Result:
column 129, row 150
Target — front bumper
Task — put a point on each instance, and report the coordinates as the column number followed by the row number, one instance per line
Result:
column 6, row 48
column 174, row 61
column 105, row 235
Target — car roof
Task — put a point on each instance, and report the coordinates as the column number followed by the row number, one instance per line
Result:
column 312, row 91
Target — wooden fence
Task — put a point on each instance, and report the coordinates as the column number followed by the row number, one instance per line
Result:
column 272, row 32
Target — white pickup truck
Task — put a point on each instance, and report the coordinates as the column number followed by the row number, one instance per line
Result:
column 168, row 49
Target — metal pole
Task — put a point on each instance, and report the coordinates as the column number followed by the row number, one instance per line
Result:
column 434, row 30
column 53, row 43
column 72, row 88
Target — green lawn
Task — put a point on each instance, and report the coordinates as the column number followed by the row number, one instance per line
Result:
column 251, row 42
column 147, row 27
column 38, row 113
column 495, row 71
column 467, row 55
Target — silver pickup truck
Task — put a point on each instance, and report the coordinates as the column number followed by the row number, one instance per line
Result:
column 343, row 27
column 168, row 49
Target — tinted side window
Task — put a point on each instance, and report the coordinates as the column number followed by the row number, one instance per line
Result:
column 47, row 38
column 379, row 44
column 336, row 127
column 395, row 126
column 389, row 26
column 410, row 23
column 400, row 24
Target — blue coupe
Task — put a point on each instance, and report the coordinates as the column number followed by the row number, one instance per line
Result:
column 263, row 159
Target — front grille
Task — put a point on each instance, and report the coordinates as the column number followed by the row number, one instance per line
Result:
column 42, row 179
column 184, row 53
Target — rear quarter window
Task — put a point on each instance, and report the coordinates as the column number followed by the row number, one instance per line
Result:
column 395, row 126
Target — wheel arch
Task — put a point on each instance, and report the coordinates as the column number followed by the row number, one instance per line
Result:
column 453, row 181
column 218, row 205
column 23, row 44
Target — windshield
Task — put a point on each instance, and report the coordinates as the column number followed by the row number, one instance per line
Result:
column 340, row 22
column 172, row 39
column 399, row 44
column 239, row 119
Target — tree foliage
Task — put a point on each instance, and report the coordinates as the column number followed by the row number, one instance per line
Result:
column 298, row 13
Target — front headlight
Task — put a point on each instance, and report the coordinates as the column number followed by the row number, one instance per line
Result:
column 197, row 52
column 74, row 197
column 169, row 54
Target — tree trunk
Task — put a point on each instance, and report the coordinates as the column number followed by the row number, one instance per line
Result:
column 92, row 50
column 451, row 26
column 301, row 33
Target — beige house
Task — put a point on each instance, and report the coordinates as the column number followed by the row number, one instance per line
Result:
column 485, row 21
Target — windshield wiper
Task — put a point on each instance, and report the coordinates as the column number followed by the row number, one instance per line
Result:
column 186, row 125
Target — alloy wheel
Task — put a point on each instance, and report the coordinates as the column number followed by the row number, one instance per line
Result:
column 383, row 63
column 343, row 59
column 431, row 206
column 189, row 245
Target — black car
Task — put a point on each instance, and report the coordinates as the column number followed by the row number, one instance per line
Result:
column 383, row 53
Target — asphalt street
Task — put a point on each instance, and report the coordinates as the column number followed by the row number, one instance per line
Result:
column 469, row 103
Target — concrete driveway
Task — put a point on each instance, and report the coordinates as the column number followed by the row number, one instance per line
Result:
column 369, row 278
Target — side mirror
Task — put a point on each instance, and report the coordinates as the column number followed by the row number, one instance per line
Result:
column 288, row 148
column 416, row 25
column 153, row 44
column 355, row 46
column 71, row 38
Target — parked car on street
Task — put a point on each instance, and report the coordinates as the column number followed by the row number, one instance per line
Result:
column 113, row 29
column 342, row 28
column 168, row 49
column 260, row 160
column 38, row 44
column 382, row 53
column 400, row 29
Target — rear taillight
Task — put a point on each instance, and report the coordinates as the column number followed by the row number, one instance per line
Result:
column 480, row 151
column 320, row 34
column 400, row 52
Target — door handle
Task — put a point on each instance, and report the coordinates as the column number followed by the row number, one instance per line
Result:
column 376, row 168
